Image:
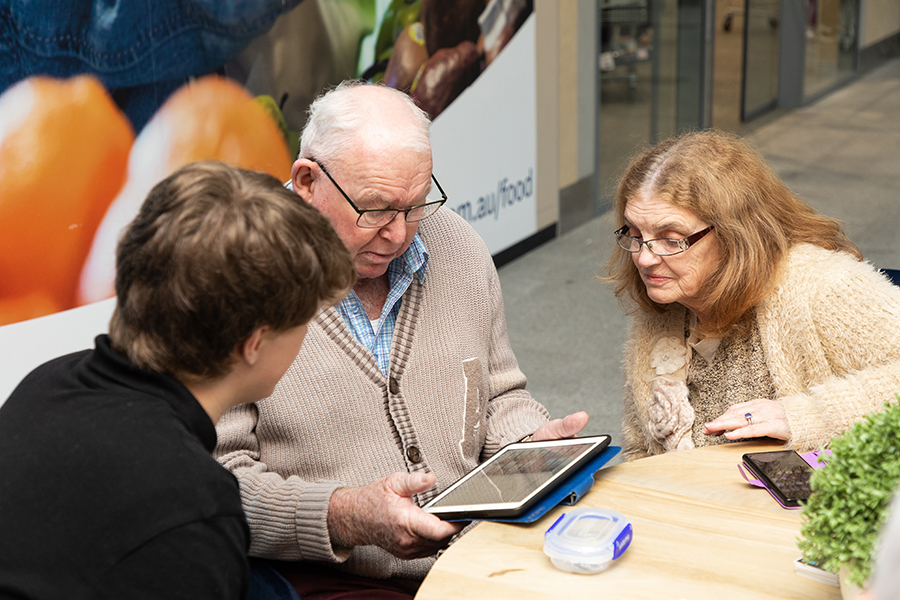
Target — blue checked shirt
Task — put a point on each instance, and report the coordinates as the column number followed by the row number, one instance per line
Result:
column 400, row 272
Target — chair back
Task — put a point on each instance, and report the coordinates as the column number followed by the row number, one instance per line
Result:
column 893, row 275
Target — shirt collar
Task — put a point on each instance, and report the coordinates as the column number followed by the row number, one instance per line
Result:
column 114, row 367
column 415, row 260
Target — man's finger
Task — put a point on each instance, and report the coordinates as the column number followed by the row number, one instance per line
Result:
column 407, row 484
column 557, row 429
column 574, row 423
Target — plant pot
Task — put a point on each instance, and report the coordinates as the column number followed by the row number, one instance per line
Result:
column 849, row 591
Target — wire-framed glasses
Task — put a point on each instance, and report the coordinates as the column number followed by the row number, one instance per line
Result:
column 374, row 218
column 659, row 247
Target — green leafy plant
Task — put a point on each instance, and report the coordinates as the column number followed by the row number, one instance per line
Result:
column 851, row 495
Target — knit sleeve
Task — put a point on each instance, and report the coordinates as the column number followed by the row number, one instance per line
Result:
column 633, row 441
column 833, row 344
column 634, row 444
column 512, row 413
column 287, row 516
column 644, row 329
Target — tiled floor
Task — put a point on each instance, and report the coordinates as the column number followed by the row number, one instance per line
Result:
column 842, row 155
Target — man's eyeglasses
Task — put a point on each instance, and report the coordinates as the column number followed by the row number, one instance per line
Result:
column 375, row 218
column 659, row 247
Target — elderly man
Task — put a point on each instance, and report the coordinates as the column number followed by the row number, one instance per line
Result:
column 400, row 390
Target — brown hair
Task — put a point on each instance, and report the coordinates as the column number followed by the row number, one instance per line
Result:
column 214, row 253
column 725, row 182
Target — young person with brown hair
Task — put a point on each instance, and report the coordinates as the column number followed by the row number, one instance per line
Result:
column 107, row 486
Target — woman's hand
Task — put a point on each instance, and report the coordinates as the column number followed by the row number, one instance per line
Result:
column 767, row 418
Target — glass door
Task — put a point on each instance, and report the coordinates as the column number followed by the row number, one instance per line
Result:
column 761, row 33
column 830, row 44
column 651, row 71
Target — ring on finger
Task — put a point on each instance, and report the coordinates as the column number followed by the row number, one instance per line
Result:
column 749, row 417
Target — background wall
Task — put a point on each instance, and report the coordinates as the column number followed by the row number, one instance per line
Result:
column 880, row 19
column 547, row 78
column 577, row 90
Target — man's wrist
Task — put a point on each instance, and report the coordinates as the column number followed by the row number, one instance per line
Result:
column 339, row 530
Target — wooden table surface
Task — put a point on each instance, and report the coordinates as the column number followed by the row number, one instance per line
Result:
column 700, row 531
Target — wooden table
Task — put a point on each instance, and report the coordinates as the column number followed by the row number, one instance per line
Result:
column 700, row 531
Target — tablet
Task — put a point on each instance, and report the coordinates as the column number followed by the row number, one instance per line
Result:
column 512, row 481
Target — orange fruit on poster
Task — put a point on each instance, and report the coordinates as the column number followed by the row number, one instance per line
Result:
column 215, row 118
column 209, row 118
column 63, row 153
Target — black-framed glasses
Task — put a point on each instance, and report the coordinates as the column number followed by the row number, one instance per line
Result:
column 659, row 247
column 375, row 218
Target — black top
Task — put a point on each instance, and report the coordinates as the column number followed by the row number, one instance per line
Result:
column 108, row 489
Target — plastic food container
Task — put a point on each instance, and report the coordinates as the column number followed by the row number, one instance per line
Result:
column 587, row 540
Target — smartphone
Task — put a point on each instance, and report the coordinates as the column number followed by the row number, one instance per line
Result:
column 784, row 473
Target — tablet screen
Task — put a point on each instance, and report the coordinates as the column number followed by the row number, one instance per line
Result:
column 506, row 484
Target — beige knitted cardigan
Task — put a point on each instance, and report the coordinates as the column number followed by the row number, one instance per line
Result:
column 454, row 396
column 831, row 336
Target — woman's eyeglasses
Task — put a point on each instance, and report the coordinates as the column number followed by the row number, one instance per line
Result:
column 659, row 247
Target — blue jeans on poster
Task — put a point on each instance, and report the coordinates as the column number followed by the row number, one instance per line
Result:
column 142, row 51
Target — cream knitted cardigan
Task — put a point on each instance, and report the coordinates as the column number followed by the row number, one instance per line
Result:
column 454, row 396
column 831, row 335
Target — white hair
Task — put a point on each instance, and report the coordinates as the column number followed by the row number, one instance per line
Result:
column 338, row 119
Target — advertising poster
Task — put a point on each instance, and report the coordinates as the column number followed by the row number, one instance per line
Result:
column 78, row 153
column 487, row 140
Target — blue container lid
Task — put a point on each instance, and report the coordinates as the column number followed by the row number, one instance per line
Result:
column 587, row 540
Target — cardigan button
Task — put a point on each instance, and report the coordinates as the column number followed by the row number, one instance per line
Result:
column 394, row 386
column 414, row 455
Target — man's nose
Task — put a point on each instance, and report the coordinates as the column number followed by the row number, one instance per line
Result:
column 395, row 231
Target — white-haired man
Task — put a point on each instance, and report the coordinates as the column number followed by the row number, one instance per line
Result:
column 400, row 390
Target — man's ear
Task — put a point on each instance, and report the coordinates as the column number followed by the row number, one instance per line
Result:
column 302, row 178
column 249, row 348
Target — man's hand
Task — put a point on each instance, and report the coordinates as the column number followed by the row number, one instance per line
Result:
column 558, row 429
column 383, row 514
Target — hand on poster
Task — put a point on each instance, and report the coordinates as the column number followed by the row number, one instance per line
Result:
column 72, row 175
column 435, row 49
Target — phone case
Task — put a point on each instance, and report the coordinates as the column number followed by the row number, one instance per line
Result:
column 811, row 458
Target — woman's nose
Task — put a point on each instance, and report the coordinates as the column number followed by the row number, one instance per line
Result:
column 645, row 258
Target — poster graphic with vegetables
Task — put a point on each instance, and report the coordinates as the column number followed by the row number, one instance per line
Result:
column 64, row 202
column 73, row 171
column 485, row 144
